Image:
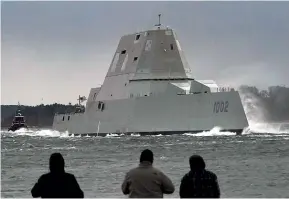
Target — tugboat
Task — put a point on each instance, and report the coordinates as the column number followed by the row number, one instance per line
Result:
column 18, row 121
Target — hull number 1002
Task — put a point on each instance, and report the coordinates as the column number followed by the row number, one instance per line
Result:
column 221, row 106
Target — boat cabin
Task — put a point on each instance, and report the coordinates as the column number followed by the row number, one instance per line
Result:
column 19, row 119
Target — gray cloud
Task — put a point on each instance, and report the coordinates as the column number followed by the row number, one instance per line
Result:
column 60, row 49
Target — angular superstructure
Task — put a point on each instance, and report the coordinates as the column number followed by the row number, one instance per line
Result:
column 150, row 89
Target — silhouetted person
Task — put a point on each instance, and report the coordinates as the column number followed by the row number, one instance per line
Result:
column 199, row 182
column 57, row 183
column 145, row 181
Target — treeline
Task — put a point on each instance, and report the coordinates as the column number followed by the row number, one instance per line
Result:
column 267, row 105
column 271, row 105
column 38, row 116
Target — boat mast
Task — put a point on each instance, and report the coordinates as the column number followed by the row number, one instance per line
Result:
column 18, row 108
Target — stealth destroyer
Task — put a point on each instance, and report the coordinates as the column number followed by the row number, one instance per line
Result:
column 149, row 88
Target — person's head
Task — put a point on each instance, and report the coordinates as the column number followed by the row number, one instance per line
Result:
column 197, row 162
column 147, row 155
column 56, row 163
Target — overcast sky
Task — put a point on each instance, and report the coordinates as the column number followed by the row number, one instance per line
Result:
column 54, row 51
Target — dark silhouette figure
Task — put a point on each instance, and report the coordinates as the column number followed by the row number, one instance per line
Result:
column 199, row 182
column 57, row 183
column 145, row 181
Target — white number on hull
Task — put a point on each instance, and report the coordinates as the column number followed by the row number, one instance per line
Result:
column 221, row 106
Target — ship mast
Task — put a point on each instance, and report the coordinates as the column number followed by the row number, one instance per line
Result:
column 159, row 24
column 79, row 99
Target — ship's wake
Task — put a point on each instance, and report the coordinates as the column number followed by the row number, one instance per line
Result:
column 268, row 128
column 257, row 128
column 35, row 132
column 257, row 116
column 216, row 131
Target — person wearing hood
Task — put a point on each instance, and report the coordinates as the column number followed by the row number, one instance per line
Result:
column 145, row 181
column 57, row 183
column 199, row 182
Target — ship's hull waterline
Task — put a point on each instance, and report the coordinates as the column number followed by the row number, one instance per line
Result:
column 164, row 133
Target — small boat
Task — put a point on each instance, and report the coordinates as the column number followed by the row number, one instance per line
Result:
column 18, row 122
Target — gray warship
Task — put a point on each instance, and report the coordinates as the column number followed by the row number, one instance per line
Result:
column 149, row 89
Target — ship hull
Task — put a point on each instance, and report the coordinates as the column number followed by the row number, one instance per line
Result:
column 159, row 114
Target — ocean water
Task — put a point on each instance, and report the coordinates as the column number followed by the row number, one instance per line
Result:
column 251, row 165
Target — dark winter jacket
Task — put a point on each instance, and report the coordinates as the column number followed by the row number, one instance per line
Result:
column 57, row 185
column 199, row 184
